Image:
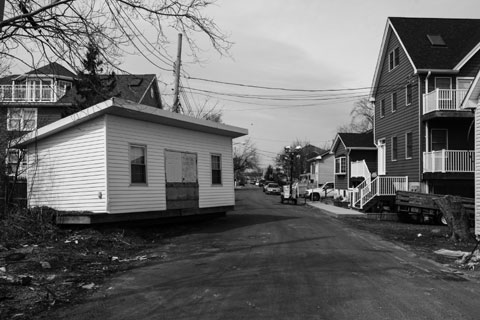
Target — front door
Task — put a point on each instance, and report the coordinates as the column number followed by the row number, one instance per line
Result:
column 381, row 157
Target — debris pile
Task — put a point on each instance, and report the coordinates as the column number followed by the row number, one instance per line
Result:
column 35, row 277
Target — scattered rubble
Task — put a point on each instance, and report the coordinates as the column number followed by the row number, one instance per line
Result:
column 39, row 275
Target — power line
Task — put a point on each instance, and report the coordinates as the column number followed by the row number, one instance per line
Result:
column 283, row 88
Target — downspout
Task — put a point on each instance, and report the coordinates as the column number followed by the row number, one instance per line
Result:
column 349, row 167
column 426, row 122
column 372, row 101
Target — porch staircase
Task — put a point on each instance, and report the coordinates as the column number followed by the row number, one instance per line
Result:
column 380, row 186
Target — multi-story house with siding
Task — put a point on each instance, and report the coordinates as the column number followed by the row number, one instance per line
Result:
column 41, row 96
column 424, row 70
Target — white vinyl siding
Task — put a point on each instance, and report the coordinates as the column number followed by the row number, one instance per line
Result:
column 123, row 132
column 477, row 172
column 73, row 160
column 326, row 169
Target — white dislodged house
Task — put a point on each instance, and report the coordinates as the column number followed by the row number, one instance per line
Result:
column 120, row 160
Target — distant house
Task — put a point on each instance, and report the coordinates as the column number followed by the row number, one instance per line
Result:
column 321, row 168
column 41, row 96
column 355, row 160
column 120, row 160
column 424, row 70
column 308, row 152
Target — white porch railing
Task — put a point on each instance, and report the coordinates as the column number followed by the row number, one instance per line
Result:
column 449, row 161
column 28, row 93
column 380, row 186
column 443, row 100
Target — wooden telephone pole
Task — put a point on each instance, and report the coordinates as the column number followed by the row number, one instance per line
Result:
column 176, row 101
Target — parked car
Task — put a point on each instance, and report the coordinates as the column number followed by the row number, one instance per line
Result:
column 273, row 188
column 325, row 190
column 265, row 184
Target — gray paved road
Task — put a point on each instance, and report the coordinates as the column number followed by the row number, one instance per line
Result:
column 273, row 261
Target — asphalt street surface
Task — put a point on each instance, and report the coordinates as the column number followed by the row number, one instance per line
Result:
column 268, row 260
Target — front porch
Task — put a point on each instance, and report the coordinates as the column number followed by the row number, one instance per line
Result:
column 380, row 186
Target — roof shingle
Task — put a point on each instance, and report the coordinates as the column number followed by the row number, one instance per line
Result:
column 357, row 140
column 460, row 36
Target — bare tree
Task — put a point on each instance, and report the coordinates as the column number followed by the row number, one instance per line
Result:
column 205, row 111
column 62, row 29
column 362, row 117
column 244, row 157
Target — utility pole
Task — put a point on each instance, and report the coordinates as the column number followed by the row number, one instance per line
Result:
column 176, row 101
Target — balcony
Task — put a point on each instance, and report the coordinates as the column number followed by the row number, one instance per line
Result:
column 443, row 100
column 444, row 161
column 29, row 93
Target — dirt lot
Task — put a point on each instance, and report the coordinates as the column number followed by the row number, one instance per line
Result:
column 62, row 269
column 423, row 239
column 68, row 264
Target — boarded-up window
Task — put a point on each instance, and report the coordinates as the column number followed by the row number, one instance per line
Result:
column 180, row 167
column 216, row 169
column 138, row 164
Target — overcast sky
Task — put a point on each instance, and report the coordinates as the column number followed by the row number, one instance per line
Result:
column 302, row 44
column 307, row 44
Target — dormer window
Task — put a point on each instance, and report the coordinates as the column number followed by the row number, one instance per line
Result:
column 393, row 59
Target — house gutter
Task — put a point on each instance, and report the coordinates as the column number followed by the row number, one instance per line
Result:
column 441, row 71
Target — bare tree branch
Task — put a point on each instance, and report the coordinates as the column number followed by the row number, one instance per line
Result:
column 62, row 29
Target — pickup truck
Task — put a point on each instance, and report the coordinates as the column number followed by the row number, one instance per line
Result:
column 299, row 191
column 327, row 190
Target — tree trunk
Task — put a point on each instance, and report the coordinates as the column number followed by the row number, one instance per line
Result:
column 457, row 218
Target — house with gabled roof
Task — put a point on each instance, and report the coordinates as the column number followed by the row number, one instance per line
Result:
column 41, row 96
column 424, row 70
column 355, row 158
column 122, row 161
column 321, row 168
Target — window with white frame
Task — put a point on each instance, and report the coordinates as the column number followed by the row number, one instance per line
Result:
column 408, row 145
column 439, row 139
column 216, row 169
column 393, row 59
column 341, row 165
column 382, row 108
column 394, row 148
column 21, row 119
column 408, row 94
column 16, row 161
column 62, row 87
column 394, row 102
column 138, row 164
